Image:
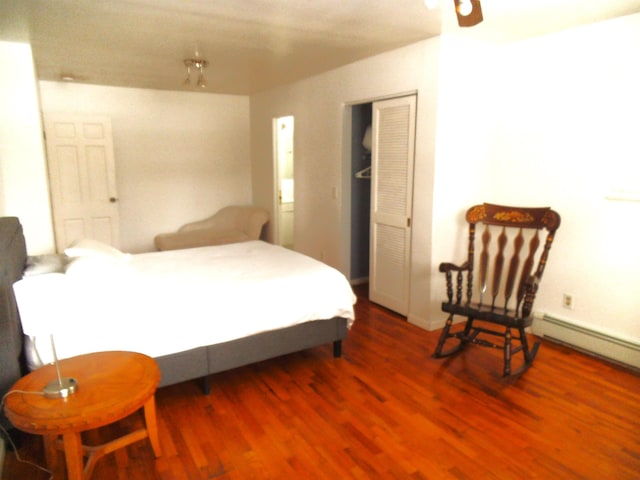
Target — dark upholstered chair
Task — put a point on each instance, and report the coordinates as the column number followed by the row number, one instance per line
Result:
column 495, row 290
column 13, row 252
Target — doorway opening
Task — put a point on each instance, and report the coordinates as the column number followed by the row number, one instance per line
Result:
column 360, row 192
column 283, row 134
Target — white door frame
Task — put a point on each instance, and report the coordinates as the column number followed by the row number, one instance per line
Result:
column 277, row 174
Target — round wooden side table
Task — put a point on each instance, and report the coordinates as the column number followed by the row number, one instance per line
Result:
column 111, row 386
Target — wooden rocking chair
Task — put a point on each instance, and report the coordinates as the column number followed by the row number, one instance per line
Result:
column 490, row 308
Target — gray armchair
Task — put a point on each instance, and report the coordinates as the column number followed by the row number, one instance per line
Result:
column 229, row 225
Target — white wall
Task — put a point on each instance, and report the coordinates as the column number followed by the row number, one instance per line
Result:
column 318, row 105
column 24, row 191
column 180, row 156
column 570, row 118
column 467, row 114
column 555, row 124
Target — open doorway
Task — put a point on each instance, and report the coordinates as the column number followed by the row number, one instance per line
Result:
column 360, row 176
column 283, row 132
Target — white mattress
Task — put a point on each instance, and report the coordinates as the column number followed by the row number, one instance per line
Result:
column 166, row 302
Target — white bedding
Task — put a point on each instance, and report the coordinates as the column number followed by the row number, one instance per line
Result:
column 166, row 302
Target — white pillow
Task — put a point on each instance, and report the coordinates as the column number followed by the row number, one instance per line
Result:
column 87, row 247
column 97, row 268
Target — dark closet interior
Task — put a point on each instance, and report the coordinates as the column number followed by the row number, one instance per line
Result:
column 360, row 193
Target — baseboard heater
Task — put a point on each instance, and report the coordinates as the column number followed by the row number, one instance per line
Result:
column 591, row 341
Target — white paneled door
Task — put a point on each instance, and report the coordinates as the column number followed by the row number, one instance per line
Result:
column 82, row 178
column 392, row 158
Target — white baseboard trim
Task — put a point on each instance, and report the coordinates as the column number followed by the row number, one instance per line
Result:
column 423, row 322
column 599, row 343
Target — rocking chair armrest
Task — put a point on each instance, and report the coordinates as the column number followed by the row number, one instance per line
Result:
column 531, row 284
column 447, row 269
column 451, row 267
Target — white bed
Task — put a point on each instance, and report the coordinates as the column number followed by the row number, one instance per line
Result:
column 165, row 303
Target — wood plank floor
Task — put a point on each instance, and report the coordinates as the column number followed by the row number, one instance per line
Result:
column 387, row 410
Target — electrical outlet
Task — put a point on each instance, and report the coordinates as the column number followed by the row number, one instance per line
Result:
column 567, row 301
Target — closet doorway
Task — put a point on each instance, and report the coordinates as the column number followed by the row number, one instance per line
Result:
column 283, row 133
column 381, row 228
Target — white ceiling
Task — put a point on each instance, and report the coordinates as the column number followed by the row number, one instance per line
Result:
column 252, row 45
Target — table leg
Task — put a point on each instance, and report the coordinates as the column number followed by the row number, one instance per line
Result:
column 152, row 425
column 73, row 455
column 50, row 451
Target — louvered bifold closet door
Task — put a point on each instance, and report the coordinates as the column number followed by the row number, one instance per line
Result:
column 391, row 197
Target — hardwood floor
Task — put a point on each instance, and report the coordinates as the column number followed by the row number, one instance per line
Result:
column 386, row 409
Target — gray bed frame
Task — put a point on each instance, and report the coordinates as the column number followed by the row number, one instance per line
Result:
column 179, row 367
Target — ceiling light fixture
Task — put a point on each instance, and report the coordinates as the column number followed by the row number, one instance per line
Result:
column 197, row 64
column 469, row 12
